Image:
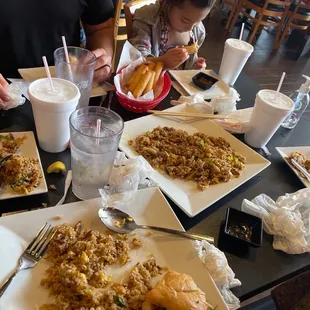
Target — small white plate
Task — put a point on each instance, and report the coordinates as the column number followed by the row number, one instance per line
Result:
column 287, row 151
column 184, row 78
column 185, row 193
column 28, row 149
column 147, row 207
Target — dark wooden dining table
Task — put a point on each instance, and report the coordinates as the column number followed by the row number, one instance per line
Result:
column 258, row 269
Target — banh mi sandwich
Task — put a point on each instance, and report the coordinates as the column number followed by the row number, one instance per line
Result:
column 176, row 291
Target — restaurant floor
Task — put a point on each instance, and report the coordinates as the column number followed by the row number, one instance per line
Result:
column 265, row 67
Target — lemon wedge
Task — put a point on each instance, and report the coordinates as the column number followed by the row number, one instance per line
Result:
column 57, row 167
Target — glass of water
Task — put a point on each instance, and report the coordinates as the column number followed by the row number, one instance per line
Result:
column 79, row 71
column 92, row 155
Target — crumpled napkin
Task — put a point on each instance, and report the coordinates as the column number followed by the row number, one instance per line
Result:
column 15, row 91
column 287, row 219
column 126, row 176
column 223, row 276
column 240, row 119
column 218, row 105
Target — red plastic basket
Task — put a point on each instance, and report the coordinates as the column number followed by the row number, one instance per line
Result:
column 144, row 106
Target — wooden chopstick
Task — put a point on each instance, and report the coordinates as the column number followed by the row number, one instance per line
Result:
column 187, row 114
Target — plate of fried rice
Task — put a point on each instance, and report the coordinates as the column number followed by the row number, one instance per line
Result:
column 88, row 267
column 196, row 164
column 21, row 172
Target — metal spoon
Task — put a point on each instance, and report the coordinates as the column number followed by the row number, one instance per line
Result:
column 122, row 223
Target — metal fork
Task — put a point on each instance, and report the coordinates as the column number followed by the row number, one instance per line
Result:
column 33, row 253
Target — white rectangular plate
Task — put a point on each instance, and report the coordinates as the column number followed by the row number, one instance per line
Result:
column 287, row 151
column 28, row 149
column 147, row 207
column 185, row 193
column 184, row 78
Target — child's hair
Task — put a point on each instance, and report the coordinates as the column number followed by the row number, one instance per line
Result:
column 201, row 4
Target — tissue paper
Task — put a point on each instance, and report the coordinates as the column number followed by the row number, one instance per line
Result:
column 287, row 219
column 223, row 276
column 238, row 121
column 126, row 176
column 15, row 91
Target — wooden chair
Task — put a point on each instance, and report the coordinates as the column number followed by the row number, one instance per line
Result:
column 117, row 16
column 298, row 17
column 269, row 13
column 293, row 294
column 129, row 10
column 233, row 5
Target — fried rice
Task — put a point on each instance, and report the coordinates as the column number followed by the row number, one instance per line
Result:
column 201, row 158
column 21, row 173
column 77, row 277
column 301, row 159
column 9, row 144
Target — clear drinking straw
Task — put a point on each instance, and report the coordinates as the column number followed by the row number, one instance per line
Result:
column 48, row 73
column 64, row 43
column 98, row 129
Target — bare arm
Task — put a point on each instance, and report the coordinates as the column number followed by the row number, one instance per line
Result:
column 99, row 39
column 3, row 92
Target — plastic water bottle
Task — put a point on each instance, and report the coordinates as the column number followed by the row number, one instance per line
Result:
column 301, row 101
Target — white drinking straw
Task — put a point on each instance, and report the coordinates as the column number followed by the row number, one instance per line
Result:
column 98, row 129
column 280, row 83
column 48, row 73
column 65, row 49
column 241, row 32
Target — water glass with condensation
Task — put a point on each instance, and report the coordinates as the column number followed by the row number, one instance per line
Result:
column 92, row 155
column 80, row 70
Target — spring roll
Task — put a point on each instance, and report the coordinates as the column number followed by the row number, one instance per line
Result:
column 142, row 84
column 132, row 78
column 149, row 85
column 152, row 66
column 140, row 72
column 158, row 69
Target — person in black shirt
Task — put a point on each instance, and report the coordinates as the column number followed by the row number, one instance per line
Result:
column 33, row 28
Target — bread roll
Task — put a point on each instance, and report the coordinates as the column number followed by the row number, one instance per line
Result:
column 148, row 306
column 158, row 69
column 177, row 291
column 142, row 84
column 149, row 85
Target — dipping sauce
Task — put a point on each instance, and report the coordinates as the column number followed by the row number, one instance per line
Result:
column 205, row 82
column 240, row 230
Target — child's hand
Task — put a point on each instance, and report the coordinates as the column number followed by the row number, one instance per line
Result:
column 175, row 57
column 200, row 63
